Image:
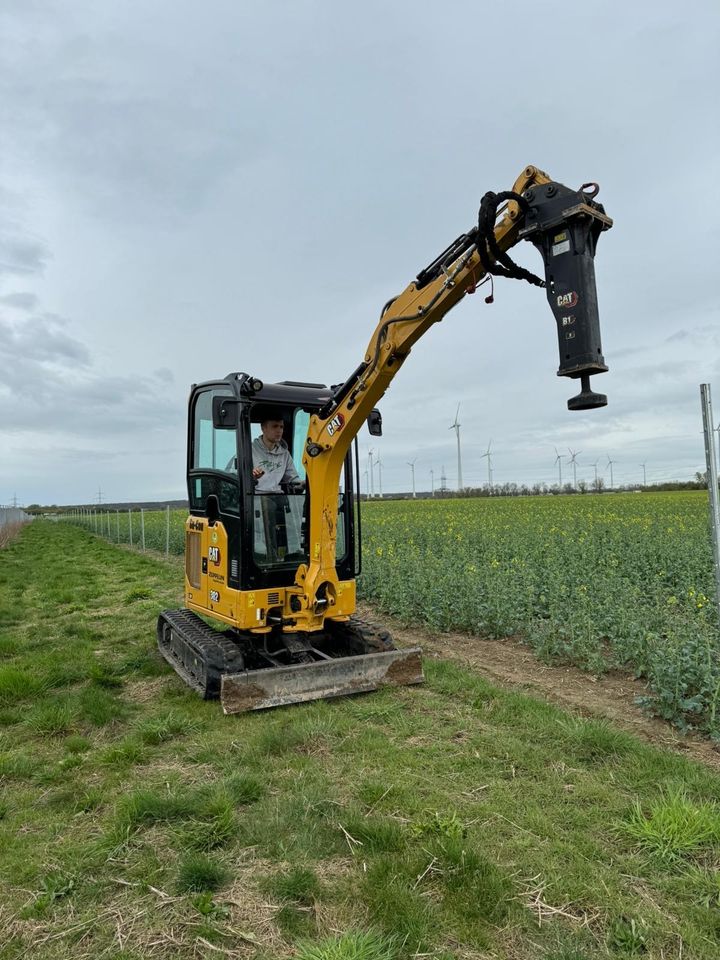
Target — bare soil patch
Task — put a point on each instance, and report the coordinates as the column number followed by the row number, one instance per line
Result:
column 510, row 663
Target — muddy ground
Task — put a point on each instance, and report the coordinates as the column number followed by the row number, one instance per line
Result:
column 512, row 665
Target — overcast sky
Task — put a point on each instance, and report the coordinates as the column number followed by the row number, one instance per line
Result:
column 190, row 189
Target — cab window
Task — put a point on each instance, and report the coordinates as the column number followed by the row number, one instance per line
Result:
column 213, row 449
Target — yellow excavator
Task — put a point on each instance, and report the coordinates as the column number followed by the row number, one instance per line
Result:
column 273, row 565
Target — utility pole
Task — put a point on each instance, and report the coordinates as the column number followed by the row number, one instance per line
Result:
column 456, row 427
column 432, row 482
column 411, row 464
column 712, row 482
column 99, row 496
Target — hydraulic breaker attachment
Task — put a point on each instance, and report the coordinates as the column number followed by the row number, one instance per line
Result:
column 298, row 683
column 565, row 225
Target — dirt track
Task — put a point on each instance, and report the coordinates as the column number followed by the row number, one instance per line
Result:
column 509, row 663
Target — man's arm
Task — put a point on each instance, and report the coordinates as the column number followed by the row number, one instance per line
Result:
column 291, row 475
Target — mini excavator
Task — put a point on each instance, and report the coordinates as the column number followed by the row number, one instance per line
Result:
column 274, row 569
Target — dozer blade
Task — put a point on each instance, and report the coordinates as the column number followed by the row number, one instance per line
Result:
column 341, row 677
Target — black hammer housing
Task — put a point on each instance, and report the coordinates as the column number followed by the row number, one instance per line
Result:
column 565, row 225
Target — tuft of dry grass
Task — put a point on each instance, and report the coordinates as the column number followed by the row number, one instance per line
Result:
column 8, row 532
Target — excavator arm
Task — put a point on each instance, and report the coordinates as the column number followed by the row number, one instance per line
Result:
column 564, row 225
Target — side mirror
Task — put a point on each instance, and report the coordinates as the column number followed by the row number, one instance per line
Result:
column 374, row 422
column 225, row 413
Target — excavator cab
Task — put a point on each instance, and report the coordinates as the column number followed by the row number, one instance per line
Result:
column 246, row 536
column 266, row 525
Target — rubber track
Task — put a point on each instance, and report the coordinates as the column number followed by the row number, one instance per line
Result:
column 372, row 637
column 199, row 654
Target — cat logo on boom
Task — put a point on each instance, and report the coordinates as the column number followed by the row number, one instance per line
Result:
column 336, row 424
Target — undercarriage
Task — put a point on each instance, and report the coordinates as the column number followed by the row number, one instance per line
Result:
column 254, row 672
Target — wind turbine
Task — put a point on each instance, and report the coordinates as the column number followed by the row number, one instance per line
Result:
column 559, row 457
column 489, row 464
column 411, row 464
column 573, row 461
column 372, row 471
column 610, row 464
column 596, row 478
column 379, row 466
column 643, row 465
column 432, row 482
column 456, row 427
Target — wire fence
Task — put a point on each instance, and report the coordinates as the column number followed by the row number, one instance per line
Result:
column 13, row 515
column 162, row 530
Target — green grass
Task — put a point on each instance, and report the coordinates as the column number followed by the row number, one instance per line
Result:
column 441, row 820
column 199, row 872
column 352, row 946
column 675, row 826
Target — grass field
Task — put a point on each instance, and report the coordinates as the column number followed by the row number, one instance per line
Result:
column 453, row 821
column 612, row 581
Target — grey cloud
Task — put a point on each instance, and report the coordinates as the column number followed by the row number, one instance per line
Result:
column 37, row 340
column 22, row 256
column 47, row 382
column 706, row 334
column 20, row 301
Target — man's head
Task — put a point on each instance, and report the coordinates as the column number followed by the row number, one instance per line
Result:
column 272, row 430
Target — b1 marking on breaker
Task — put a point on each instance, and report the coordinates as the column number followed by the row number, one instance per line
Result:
column 214, row 555
column 214, row 596
column 336, row 424
column 568, row 321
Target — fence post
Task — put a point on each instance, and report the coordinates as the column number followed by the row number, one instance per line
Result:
column 712, row 482
column 142, row 527
column 130, row 524
column 167, row 530
column 118, row 524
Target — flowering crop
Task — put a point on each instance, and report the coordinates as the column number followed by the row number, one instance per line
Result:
column 617, row 580
column 620, row 580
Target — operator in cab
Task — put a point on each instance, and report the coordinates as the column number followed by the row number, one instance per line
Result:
column 272, row 463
